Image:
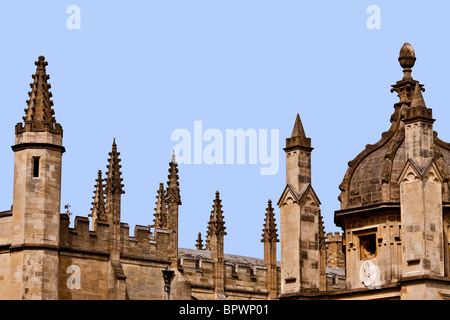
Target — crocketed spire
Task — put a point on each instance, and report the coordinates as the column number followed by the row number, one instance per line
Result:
column 216, row 224
column 173, row 189
column 113, row 175
column 98, row 206
column 270, row 227
column 199, row 242
column 160, row 220
column 39, row 115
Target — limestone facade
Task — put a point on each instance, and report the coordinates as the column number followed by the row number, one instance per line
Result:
column 394, row 215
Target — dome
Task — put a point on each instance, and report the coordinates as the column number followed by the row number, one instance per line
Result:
column 372, row 178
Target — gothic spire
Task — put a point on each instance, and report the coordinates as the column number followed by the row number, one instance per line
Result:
column 173, row 189
column 199, row 242
column 216, row 223
column 298, row 137
column 113, row 175
column 98, row 206
column 39, row 115
column 161, row 209
column 270, row 228
column 298, row 130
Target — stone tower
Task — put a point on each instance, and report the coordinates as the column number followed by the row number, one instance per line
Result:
column 394, row 197
column 38, row 153
column 420, row 185
column 302, row 263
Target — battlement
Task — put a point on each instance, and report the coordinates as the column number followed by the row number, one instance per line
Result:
column 81, row 238
column 333, row 237
column 243, row 274
column 335, row 255
column 143, row 245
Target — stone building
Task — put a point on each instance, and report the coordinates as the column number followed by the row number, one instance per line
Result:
column 394, row 215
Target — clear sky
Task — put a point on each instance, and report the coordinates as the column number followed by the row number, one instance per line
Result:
column 141, row 70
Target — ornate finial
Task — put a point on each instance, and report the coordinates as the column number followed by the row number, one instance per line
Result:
column 407, row 56
column 407, row 59
column 41, row 63
column 173, row 157
column 405, row 88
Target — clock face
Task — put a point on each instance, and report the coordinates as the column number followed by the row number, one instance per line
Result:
column 368, row 273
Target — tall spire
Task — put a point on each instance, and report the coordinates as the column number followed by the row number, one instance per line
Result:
column 215, row 244
column 113, row 175
column 161, row 209
column 216, row 224
column 113, row 192
column 298, row 137
column 173, row 189
column 270, row 228
column 39, row 115
column 270, row 239
column 98, row 206
column 173, row 201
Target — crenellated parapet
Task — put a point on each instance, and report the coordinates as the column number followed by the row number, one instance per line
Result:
column 142, row 245
column 333, row 237
column 81, row 239
column 243, row 275
column 335, row 256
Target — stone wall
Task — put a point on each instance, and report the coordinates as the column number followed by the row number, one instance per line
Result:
column 335, row 255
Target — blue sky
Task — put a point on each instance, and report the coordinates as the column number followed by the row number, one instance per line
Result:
column 138, row 70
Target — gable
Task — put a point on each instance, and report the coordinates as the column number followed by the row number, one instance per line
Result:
column 413, row 172
column 306, row 195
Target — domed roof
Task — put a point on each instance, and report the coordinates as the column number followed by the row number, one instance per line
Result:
column 372, row 177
